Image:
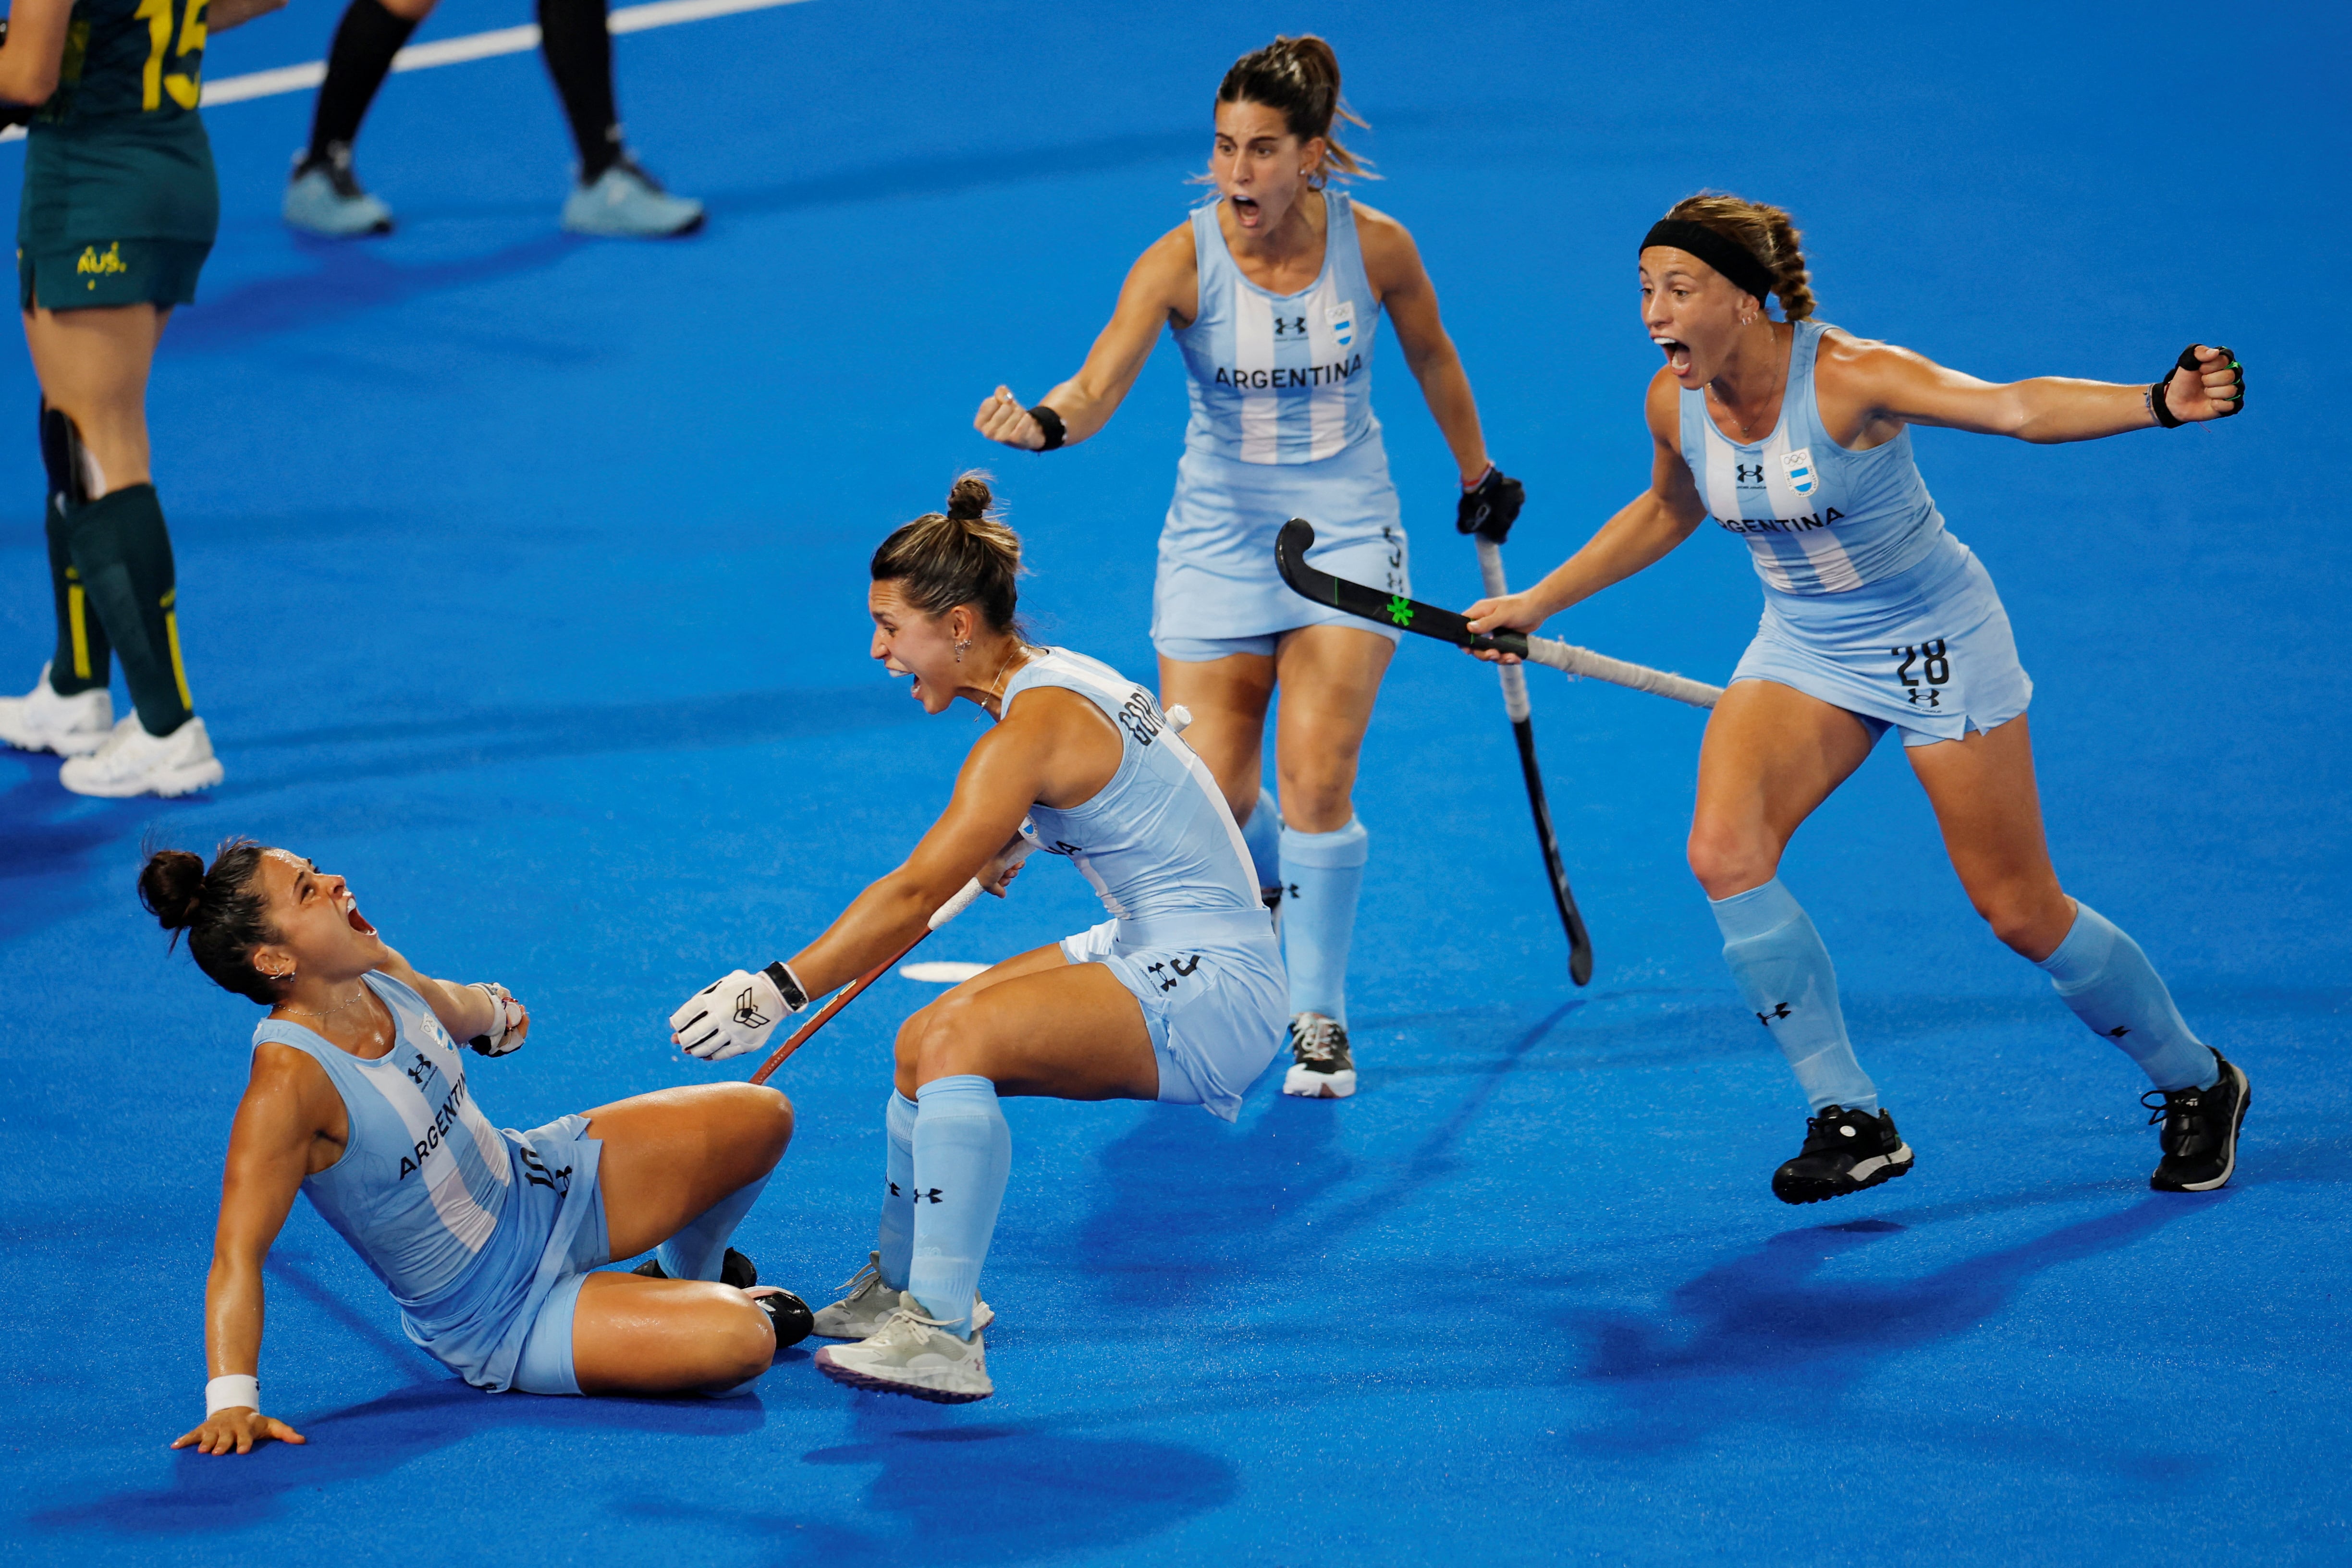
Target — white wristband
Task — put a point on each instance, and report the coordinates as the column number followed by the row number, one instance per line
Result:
column 238, row 1389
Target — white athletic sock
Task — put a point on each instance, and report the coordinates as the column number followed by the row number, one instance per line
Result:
column 700, row 1250
column 1323, row 874
column 895, row 1238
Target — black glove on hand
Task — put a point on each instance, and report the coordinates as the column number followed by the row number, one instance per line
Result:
column 1490, row 507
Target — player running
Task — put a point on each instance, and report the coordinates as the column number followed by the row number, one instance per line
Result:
column 359, row 1100
column 1797, row 436
column 1178, row 997
column 119, row 211
column 1274, row 292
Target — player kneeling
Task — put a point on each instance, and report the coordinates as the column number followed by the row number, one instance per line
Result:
column 358, row 1098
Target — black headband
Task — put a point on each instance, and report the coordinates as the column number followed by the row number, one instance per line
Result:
column 1728, row 257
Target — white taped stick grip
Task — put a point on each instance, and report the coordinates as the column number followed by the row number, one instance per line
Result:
column 238, row 1391
column 1515, row 679
column 970, row 890
column 1574, row 660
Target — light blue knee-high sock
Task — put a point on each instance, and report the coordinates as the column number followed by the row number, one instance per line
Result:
column 699, row 1251
column 1263, row 834
column 2104, row 977
column 963, row 1152
column 895, row 1239
column 1324, row 873
column 1784, row 972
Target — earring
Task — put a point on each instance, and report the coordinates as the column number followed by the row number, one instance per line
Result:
column 963, row 646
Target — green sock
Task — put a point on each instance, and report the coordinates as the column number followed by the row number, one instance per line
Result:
column 81, row 662
column 124, row 556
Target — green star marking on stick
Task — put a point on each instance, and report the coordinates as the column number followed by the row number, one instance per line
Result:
column 1400, row 610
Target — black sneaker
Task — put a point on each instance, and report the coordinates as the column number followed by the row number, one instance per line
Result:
column 2200, row 1130
column 1845, row 1151
column 1322, row 1068
column 736, row 1270
column 787, row 1314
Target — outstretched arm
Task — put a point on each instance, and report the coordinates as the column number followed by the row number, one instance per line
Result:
column 269, row 1146
column 1643, row 533
column 1392, row 266
column 1869, row 390
column 1162, row 285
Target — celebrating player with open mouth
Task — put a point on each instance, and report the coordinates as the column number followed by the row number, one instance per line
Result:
column 1797, row 437
column 1178, row 997
column 1274, row 292
column 486, row 1238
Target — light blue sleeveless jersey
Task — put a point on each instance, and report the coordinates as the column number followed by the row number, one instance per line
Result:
column 1281, row 378
column 1158, row 843
column 1820, row 518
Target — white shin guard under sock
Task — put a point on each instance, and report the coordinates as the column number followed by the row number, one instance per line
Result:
column 1324, row 876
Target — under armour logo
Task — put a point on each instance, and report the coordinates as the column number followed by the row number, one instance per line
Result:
column 1165, row 985
column 1750, row 476
column 747, row 1011
column 1290, row 326
column 1925, row 697
column 931, row 1197
column 1780, row 1010
column 2117, row 1033
column 1294, row 890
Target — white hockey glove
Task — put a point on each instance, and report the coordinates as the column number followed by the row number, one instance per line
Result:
column 731, row 1016
column 510, row 1021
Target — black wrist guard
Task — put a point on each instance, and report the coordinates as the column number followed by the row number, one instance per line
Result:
column 2190, row 363
column 1051, row 422
column 786, row 985
column 1489, row 507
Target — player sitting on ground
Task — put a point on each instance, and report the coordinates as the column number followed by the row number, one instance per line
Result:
column 1180, row 998
column 358, row 1098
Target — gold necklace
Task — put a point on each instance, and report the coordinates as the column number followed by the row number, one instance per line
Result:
column 312, row 1013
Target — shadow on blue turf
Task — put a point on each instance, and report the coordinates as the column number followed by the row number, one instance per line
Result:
column 1001, row 1492
column 234, row 1492
column 1760, row 1338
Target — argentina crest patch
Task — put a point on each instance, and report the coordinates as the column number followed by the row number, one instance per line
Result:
column 1342, row 315
column 1800, row 465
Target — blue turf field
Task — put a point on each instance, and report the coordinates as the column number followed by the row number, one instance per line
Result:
column 522, row 580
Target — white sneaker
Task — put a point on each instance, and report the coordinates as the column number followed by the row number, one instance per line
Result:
column 41, row 721
column 861, row 1313
column 914, row 1355
column 1321, row 1066
column 133, row 761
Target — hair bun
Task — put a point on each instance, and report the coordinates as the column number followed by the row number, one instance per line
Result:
column 970, row 499
column 171, row 885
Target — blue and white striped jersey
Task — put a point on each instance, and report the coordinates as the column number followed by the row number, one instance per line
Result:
column 424, row 1180
column 1159, row 840
column 1818, row 518
column 1281, row 378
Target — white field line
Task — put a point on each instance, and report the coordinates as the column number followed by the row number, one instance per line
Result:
column 457, row 51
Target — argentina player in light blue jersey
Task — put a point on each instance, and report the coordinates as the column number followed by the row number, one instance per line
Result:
column 1796, row 436
column 1274, row 293
column 1177, row 998
column 358, row 1100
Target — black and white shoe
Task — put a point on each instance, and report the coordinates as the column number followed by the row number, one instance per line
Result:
column 1845, row 1151
column 1321, row 1067
column 787, row 1314
column 2200, row 1130
column 735, row 1270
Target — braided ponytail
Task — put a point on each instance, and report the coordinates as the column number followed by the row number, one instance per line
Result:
column 1765, row 232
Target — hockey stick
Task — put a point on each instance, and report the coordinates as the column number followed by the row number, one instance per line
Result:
column 848, row 993
column 1523, row 731
column 1297, row 537
column 1179, row 719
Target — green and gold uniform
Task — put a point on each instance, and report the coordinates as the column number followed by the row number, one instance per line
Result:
column 120, row 203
